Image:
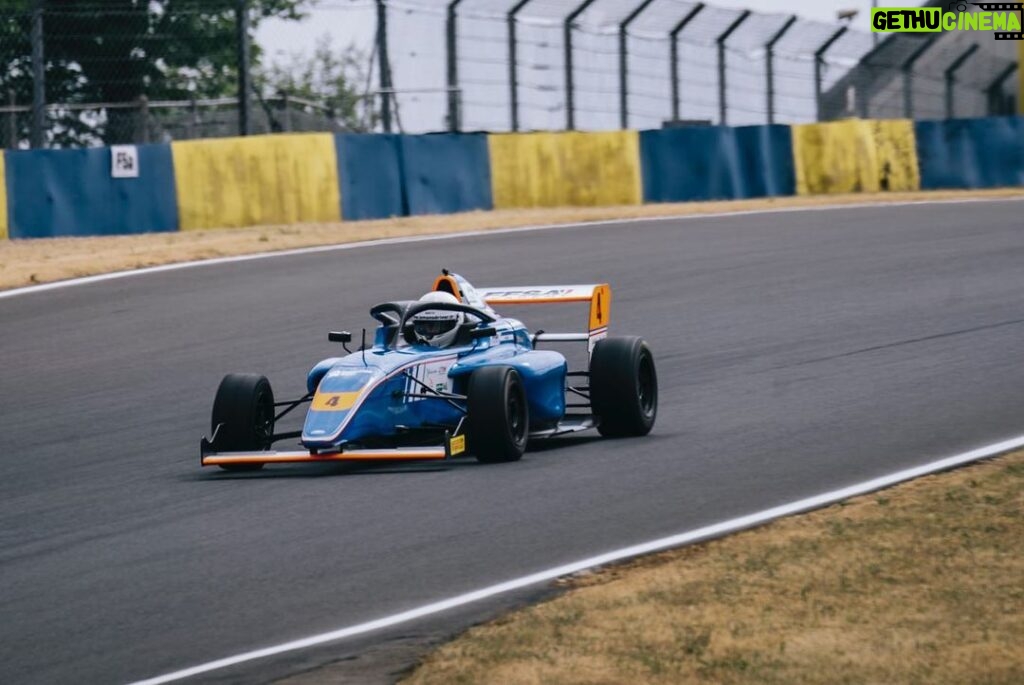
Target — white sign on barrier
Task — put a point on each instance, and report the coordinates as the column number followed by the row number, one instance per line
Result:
column 124, row 161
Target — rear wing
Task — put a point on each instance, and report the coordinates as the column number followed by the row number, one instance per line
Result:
column 598, row 295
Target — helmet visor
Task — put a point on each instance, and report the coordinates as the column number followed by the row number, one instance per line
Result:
column 430, row 328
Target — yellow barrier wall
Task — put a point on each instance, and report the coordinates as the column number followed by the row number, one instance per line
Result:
column 3, row 198
column 855, row 156
column 561, row 169
column 280, row 179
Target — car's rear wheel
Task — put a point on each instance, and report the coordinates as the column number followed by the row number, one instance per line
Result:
column 497, row 418
column 623, row 387
column 243, row 416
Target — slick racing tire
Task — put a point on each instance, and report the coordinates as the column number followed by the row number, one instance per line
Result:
column 497, row 417
column 244, row 412
column 623, row 387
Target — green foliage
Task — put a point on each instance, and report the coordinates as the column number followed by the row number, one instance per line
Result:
column 121, row 50
column 330, row 78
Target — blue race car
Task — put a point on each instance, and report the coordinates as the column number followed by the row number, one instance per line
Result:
column 446, row 375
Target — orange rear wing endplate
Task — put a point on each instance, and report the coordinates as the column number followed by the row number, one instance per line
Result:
column 598, row 295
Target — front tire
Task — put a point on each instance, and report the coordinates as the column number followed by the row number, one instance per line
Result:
column 497, row 419
column 623, row 387
column 244, row 411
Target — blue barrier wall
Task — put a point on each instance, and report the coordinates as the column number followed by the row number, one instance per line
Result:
column 716, row 163
column 384, row 175
column 370, row 175
column 446, row 173
column 54, row 193
column 971, row 153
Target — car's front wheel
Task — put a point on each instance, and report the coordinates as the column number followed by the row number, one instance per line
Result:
column 243, row 416
column 497, row 416
column 623, row 387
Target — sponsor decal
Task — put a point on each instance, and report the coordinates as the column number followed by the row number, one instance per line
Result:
column 457, row 445
column 530, row 294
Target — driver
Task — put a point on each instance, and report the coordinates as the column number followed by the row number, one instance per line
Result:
column 437, row 328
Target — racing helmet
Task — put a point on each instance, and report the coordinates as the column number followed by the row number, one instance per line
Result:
column 437, row 328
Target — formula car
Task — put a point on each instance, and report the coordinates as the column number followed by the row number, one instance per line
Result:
column 445, row 376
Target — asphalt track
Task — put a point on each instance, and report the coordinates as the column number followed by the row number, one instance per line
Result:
column 797, row 352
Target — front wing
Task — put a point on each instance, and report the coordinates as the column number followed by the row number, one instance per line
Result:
column 452, row 447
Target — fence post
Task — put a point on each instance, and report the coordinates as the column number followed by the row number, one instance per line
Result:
column 286, row 103
column 769, row 67
column 819, row 62
column 624, row 63
column 38, row 77
column 570, row 118
column 995, row 91
column 12, row 120
column 908, row 74
column 950, row 75
column 193, row 126
column 451, row 53
column 722, row 107
column 384, row 65
column 513, row 63
column 673, row 52
column 142, row 125
column 242, row 23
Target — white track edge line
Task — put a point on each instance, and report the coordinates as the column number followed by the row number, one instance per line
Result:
column 688, row 537
column 97, row 278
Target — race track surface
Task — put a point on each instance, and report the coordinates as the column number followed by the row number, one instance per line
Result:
column 797, row 352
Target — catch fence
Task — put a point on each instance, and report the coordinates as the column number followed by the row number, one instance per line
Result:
column 163, row 71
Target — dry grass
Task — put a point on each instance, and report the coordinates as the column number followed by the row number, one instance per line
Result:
column 24, row 262
column 922, row 583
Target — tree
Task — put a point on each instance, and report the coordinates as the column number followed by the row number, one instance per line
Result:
column 333, row 80
column 116, row 51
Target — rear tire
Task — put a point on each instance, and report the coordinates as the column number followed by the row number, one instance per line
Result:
column 623, row 387
column 244, row 410
column 497, row 420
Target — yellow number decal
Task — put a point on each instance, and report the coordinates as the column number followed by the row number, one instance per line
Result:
column 334, row 401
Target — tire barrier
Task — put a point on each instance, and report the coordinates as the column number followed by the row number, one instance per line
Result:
column 321, row 177
column 971, row 153
column 74, row 192
column 855, row 156
column 565, row 169
column 274, row 179
column 716, row 163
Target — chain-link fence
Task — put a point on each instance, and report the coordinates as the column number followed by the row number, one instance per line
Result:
column 88, row 72
column 604, row 64
column 93, row 72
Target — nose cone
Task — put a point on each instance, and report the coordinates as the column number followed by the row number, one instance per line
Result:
column 337, row 399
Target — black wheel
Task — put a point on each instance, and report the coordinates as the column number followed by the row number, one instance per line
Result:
column 497, row 420
column 244, row 410
column 623, row 387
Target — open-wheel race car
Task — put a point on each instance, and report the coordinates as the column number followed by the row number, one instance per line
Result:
column 445, row 376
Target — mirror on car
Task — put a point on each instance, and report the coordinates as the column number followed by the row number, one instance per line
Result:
column 485, row 332
column 340, row 337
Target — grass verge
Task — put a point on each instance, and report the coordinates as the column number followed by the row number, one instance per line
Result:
column 25, row 262
column 921, row 583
